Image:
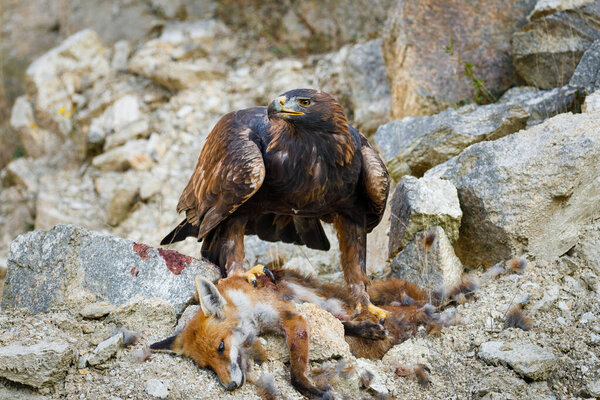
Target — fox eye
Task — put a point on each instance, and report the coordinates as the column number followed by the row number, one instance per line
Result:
column 221, row 347
column 304, row 102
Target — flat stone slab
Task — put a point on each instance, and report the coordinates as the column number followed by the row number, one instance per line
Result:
column 39, row 365
column 70, row 265
column 526, row 359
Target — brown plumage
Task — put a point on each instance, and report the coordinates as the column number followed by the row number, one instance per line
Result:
column 277, row 172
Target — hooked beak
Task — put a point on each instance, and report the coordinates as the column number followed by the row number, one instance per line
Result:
column 280, row 108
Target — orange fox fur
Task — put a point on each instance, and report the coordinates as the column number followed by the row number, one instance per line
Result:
column 234, row 312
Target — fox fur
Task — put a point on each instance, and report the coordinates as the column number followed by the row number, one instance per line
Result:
column 221, row 336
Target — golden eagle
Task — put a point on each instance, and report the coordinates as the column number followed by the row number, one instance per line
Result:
column 277, row 172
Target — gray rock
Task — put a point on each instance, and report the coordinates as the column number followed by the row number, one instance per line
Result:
column 541, row 104
column 157, row 388
column 587, row 73
column 105, row 350
column 433, row 267
column 39, row 365
column 68, row 264
column 545, row 7
column 96, row 310
column 589, row 245
column 371, row 93
column 530, row 191
column 413, row 145
column 527, row 359
column 593, row 388
column 547, row 50
column 121, row 51
column 186, row 316
column 419, row 203
column 120, row 205
column 35, row 140
column 591, row 103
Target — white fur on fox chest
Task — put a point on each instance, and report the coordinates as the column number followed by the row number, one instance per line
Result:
column 254, row 316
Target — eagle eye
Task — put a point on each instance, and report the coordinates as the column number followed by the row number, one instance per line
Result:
column 304, row 102
column 221, row 347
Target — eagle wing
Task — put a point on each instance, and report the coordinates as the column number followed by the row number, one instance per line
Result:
column 375, row 183
column 229, row 171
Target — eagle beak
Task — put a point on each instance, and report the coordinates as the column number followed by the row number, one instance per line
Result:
column 279, row 107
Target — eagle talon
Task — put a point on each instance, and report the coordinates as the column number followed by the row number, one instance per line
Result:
column 258, row 269
column 380, row 313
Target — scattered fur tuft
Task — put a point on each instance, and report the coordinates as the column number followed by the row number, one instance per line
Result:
column 141, row 355
column 516, row 265
column 517, row 319
column 366, row 378
column 266, row 387
column 422, row 374
column 493, row 272
column 448, row 317
column 129, row 337
column 428, row 240
column 419, row 371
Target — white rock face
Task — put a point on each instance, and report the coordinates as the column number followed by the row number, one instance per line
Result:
column 39, row 365
column 530, row 191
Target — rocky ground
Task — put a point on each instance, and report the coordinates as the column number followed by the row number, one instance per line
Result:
column 106, row 125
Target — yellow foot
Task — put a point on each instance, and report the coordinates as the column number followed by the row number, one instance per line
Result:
column 256, row 270
column 380, row 313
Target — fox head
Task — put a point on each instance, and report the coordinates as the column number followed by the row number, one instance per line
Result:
column 213, row 338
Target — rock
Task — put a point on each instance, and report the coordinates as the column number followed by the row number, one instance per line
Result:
column 283, row 75
column 96, row 310
column 36, row 141
column 177, row 59
column 434, row 266
column 105, row 350
column 120, row 205
column 157, row 388
column 16, row 215
column 68, row 264
column 143, row 314
column 121, row 122
column 371, row 94
column 547, row 50
column 526, row 359
column 419, row 203
column 545, row 7
column 326, row 337
column 587, row 73
column 591, row 103
column 120, row 56
column 433, row 62
column 186, row 317
column 588, row 245
column 377, row 381
column 413, row 145
column 410, row 352
column 530, row 191
column 313, row 26
column 541, row 104
column 39, row 365
column 67, row 197
column 593, row 388
column 53, row 79
column 136, row 154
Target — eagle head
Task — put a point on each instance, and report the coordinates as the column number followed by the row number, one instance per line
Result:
column 309, row 109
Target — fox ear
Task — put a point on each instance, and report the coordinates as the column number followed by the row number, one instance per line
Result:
column 211, row 301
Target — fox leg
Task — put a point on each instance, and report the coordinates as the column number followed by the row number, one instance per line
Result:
column 352, row 237
column 297, row 336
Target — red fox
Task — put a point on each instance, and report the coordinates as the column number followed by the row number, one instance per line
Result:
column 234, row 312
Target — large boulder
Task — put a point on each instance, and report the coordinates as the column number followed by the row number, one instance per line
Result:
column 413, row 145
column 530, row 191
column 433, row 62
column 547, row 50
column 71, row 265
column 418, row 204
column 527, row 359
column 587, row 74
